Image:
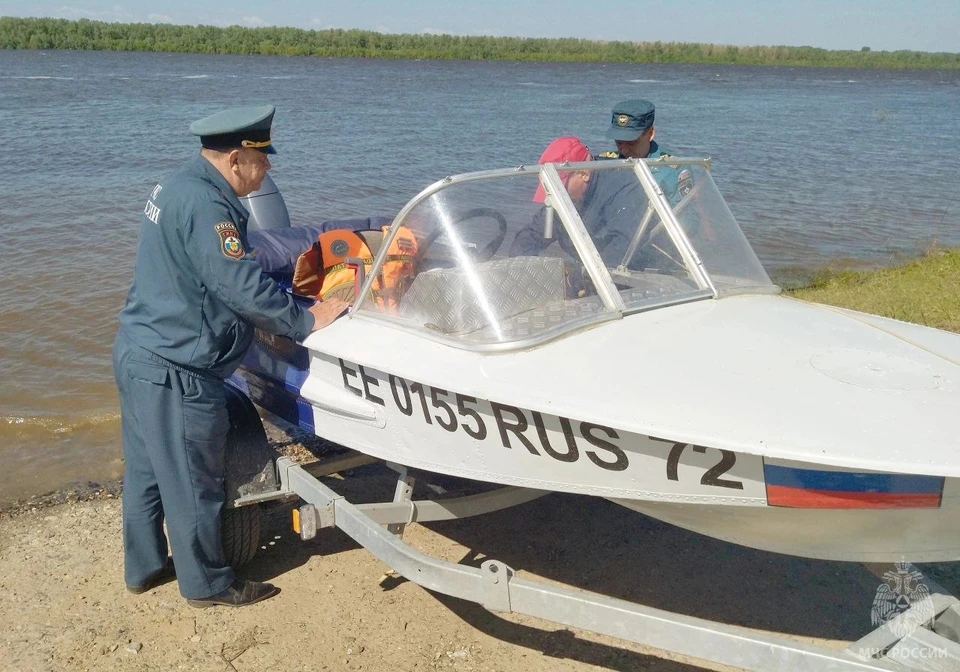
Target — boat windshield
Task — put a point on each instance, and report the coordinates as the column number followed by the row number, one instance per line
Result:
column 708, row 225
column 508, row 258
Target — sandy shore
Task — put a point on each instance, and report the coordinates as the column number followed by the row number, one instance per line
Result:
column 63, row 605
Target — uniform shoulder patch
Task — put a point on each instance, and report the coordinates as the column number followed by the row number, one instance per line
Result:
column 608, row 155
column 230, row 243
column 684, row 182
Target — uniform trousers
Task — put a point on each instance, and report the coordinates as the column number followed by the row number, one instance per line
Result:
column 174, row 425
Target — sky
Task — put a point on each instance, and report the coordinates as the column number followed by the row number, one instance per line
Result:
column 928, row 25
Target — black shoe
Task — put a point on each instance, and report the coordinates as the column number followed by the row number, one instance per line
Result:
column 238, row 594
column 163, row 575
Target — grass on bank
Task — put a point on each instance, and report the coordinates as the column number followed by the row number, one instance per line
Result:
column 925, row 291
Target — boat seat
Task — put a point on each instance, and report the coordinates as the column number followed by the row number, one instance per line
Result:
column 446, row 300
column 550, row 315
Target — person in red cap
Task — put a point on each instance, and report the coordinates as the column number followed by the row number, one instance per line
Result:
column 610, row 204
column 567, row 149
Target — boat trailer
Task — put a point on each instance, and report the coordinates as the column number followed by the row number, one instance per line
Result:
column 895, row 646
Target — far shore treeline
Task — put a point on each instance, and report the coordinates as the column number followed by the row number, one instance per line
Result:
column 31, row 33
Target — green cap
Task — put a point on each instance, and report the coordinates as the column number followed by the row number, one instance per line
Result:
column 630, row 119
column 237, row 127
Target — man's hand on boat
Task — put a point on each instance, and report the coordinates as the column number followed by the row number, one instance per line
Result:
column 325, row 312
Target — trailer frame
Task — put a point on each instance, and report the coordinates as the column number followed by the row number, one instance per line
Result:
column 379, row 527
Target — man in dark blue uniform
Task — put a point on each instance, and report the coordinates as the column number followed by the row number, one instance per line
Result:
column 631, row 127
column 197, row 295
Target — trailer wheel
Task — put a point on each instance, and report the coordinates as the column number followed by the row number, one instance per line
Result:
column 240, row 532
column 249, row 470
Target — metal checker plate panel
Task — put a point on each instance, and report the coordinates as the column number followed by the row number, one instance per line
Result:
column 446, row 300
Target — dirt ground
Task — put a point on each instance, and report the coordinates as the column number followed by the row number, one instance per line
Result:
column 63, row 605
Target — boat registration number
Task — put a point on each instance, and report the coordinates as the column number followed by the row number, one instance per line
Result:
column 493, row 437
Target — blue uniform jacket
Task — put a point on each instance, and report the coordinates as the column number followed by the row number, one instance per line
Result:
column 611, row 210
column 676, row 182
column 197, row 292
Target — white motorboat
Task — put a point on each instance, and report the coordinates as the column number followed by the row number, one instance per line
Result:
column 673, row 379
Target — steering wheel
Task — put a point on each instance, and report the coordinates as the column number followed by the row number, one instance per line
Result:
column 482, row 254
column 646, row 243
column 647, row 240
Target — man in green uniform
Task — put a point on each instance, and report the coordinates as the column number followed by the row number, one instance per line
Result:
column 197, row 296
column 631, row 127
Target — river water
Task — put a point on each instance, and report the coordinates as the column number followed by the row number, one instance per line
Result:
column 820, row 167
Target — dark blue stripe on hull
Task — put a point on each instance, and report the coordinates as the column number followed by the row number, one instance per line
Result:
column 272, row 374
column 282, row 403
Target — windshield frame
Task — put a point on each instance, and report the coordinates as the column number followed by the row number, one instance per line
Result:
column 669, row 219
column 559, row 200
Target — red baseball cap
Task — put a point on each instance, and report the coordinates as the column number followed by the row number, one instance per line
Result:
column 561, row 150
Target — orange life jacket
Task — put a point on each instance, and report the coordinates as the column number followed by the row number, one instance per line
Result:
column 323, row 272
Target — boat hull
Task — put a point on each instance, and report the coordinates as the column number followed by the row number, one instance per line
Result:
column 873, row 535
column 815, row 511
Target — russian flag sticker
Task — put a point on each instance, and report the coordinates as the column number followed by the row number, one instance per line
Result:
column 807, row 486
